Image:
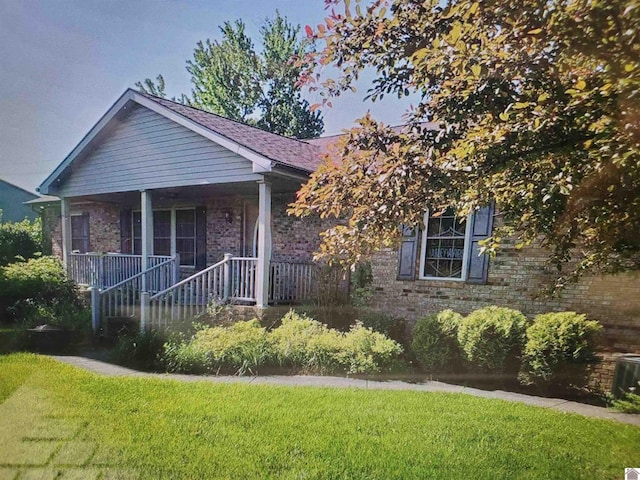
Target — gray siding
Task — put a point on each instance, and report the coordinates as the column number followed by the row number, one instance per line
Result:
column 11, row 203
column 147, row 151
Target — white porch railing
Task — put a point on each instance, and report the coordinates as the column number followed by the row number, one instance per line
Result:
column 231, row 279
column 124, row 299
column 291, row 282
column 103, row 270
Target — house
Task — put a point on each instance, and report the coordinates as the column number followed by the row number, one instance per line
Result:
column 192, row 195
column 165, row 208
column 12, row 203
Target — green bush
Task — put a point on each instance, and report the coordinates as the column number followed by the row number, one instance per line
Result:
column 19, row 241
column 142, row 350
column 557, row 340
column 291, row 342
column 361, row 285
column 305, row 343
column 434, row 343
column 299, row 342
column 381, row 322
column 629, row 403
column 366, row 351
column 492, row 338
column 38, row 287
column 241, row 347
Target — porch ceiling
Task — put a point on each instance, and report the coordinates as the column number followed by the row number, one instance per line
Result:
column 194, row 193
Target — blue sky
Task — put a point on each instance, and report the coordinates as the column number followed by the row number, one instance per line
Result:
column 64, row 62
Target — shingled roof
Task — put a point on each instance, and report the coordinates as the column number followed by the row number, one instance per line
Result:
column 287, row 151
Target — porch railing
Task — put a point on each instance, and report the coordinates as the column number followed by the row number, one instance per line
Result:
column 124, row 298
column 291, row 282
column 231, row 279
column 104, row 270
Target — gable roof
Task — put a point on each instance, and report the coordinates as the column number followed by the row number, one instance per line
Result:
column 284, row 150
column 16, row 187
column 264, row 149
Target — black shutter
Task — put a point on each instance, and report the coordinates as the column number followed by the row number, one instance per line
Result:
column 482, row 225
column 126, row 239
column 86, row 243
column 407, row 254
column 201, row 238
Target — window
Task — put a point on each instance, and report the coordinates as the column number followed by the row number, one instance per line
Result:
column 174, row 231
column 445, row 245
column 186, row 236
column 80, row 233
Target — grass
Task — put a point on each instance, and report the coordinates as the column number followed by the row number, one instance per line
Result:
column 167, row 429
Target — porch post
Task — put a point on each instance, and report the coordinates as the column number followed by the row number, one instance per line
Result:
column 65, row 218
column 146, row 215
column 264, row 243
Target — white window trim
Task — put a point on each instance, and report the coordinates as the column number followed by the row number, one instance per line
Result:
column 174, row 236
column 465, row 254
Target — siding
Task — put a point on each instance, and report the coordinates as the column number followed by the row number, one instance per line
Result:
column 147, row 151
column 11, row 203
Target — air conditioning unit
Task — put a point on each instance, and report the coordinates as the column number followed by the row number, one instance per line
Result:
column 626, row 378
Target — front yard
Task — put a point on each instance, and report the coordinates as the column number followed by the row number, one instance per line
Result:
column 56, row 418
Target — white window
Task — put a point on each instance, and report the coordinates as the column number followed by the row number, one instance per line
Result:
column 445, row 247
column 174, row 231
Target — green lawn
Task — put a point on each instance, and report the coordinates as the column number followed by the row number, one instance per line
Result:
column 166, row 429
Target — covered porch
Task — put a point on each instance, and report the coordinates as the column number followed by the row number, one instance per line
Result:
column 181, row 249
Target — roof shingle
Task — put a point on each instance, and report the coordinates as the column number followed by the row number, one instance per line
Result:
column 284, row 150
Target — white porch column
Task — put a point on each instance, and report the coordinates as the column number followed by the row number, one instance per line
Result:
column 146, row 217
column 264, row 243
column 65, row 218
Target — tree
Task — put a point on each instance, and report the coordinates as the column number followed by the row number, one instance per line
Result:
column 533, row 104
column 232, row 79
column 153, row 88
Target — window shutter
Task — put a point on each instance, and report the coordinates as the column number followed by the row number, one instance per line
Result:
column 407, row 254
column 481, row 229
column 126, row 240
column 201, row 238
column 86, row 243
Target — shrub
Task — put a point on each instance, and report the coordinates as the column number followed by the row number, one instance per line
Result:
column 141, row 350
column 361, row 288
column 393, row 328
column 238, row 348
column 629, row 403
column 303, row 342
column 37, row 282
column 434, row 342
column 291, row 340
column 557, row 340
column 187, row 357
column 19, row 241
column 366, row 351
column 492, row 338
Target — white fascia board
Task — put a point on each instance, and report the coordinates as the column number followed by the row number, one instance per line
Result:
column 45, row 186
column 261, row 164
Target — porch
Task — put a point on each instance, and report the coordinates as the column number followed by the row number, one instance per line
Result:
column 267, row 262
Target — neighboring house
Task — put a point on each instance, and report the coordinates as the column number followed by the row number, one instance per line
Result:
column 12, row 203
column 192, row 195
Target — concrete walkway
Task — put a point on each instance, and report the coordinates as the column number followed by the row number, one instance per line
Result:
column 561, row 405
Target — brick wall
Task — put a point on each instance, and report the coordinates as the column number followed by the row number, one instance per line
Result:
column 515, row 280
column 293, row 239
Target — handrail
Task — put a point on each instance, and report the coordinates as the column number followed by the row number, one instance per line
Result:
column 187, row 280
column 233, row 278
column 144, row 272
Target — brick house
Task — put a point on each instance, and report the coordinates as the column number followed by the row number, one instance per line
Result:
column 164, row 186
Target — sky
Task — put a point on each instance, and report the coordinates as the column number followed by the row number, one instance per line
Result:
column 63, row 63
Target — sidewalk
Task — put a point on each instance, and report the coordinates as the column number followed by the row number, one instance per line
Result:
column 561, row 405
